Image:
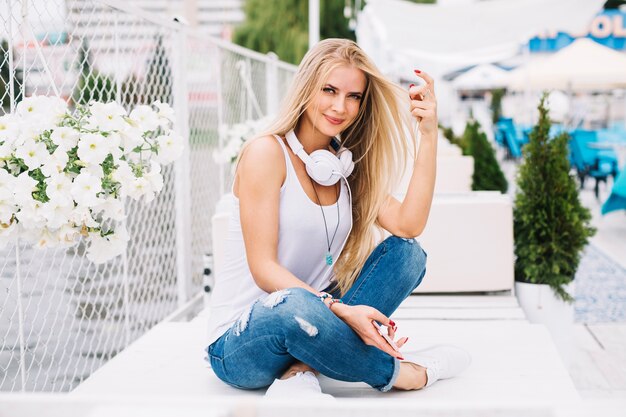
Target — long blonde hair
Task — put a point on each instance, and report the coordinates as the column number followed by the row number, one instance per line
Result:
column 379, row 140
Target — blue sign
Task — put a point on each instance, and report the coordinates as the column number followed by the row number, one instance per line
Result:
column 607, row 28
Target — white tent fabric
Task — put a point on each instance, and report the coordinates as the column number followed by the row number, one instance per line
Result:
column 399, row 34
column 481, row 77
column 583, row 65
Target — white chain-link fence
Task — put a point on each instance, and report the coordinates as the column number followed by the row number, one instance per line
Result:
column 62, row 317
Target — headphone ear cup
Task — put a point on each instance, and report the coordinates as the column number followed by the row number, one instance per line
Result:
column 345, row 157
column 324, row 166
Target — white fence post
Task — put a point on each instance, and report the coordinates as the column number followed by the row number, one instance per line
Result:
column 220, row 114
column 271, row 83
column 182, row 172
column 11, row 58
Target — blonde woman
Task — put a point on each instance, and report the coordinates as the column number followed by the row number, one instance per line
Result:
column 305, row 288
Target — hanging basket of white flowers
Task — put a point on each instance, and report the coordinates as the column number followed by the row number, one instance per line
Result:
column 65, row 175
column 234, row 136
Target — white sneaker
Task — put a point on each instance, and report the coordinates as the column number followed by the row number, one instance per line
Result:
column 302, row 385
column 441, row 361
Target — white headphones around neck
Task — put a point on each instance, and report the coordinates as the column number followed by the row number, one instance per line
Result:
column 321, row 165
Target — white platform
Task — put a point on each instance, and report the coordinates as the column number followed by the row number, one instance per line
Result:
column 512, row 359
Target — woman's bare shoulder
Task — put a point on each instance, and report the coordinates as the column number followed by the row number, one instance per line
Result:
column 263, row 159
column 263, row 148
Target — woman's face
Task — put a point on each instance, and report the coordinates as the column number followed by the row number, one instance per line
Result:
column 337, row 104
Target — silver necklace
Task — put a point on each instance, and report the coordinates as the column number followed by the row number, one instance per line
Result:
column 329, row 242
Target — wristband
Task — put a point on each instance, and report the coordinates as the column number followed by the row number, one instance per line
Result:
column 324, row 295
column 333, row 301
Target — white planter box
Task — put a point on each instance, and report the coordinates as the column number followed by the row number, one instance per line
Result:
column 542, row 306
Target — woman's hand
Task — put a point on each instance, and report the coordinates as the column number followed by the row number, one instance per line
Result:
column 360, row 318
column 424, row 105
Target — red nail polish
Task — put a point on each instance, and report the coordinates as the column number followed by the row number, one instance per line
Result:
column 407, row 339
column 401, row 358
column 412, row 85
column 417, row 71
column 392, row 323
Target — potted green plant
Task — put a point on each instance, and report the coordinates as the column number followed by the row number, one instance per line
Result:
column 551, row 227
column 487, row 172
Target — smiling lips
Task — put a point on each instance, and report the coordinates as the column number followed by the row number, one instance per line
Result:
column 334, row 121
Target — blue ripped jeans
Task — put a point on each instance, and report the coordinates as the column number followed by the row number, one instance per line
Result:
column 294, row 324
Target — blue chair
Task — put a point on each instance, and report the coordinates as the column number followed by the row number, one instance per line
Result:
column 617, row 198
column 511, row 137
column 591, row 162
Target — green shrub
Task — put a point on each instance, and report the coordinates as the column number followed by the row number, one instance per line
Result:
column 448, row 133
column 91, row 84
column 496, row 104
column 487, row 173
column 551, row 226
column 5, row 78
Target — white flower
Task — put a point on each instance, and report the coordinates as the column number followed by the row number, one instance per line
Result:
column 45, row 239
column 93, row 148
column 7, row 183
column 7, row 233
column 139, row 187
column 7, row 200
column 67, row 235
column 7, row 210
column 57, row 108
column 155, row 178
column 107, row 117
column 111, row 208
column 103, row 249
column 65, row 137
column 95, row 170
column 144, row 118
column 23, row 187
column 31, row 216
column 56, row 163
column 6, row 149
column 81, row 216
column 59, row 187
column 33, row 153
column 57, row 212
column 29, row 131
column 85, row 188
column 123, row 172
column 32, row 107
column 164, row 111
column 131, row 138
column 114, row 141
column 170, row 148
column 44, row 111
column 9, row 128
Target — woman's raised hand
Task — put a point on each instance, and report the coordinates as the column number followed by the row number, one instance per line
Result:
column 424, row 104
column 360, row 318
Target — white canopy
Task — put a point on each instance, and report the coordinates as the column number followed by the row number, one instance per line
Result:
column 583, row 65
column 441, row 38
column 481, row 77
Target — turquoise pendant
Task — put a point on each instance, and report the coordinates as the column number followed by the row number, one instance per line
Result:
column 329, row 258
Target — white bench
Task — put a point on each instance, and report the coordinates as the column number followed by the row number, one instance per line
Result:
column 513, row 361
column 454, row 170
column 468, row 238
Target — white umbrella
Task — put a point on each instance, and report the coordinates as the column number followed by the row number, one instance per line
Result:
column 583, row 65
column 481, row 77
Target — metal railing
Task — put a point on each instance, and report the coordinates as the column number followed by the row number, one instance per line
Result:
column 62, row 317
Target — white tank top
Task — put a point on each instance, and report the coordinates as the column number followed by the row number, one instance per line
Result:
column 302, row 248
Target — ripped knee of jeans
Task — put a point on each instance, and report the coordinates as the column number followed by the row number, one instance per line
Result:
column 242, row 323
column 275, row 298
column 306, row 326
